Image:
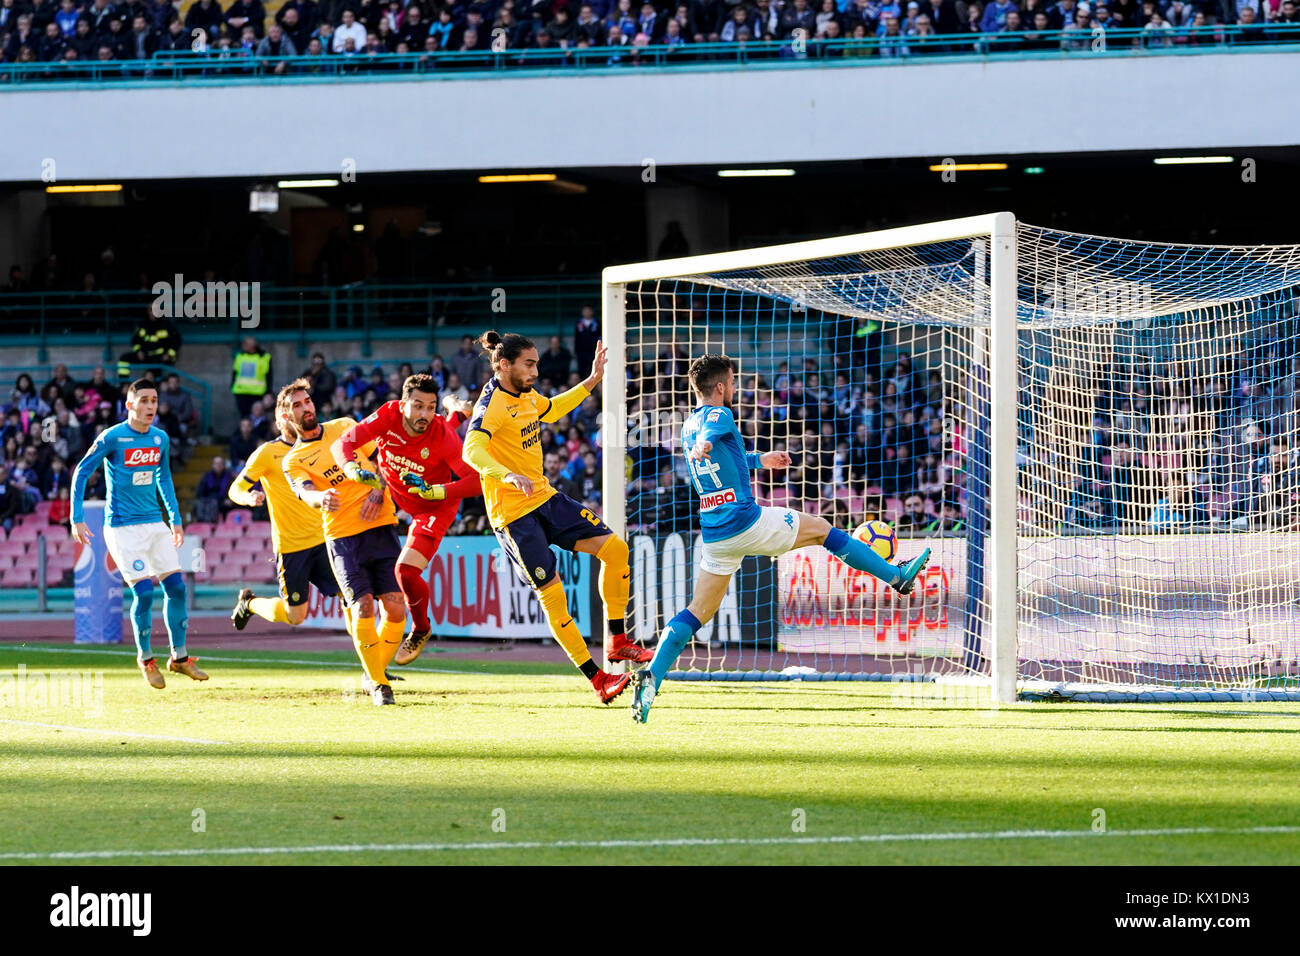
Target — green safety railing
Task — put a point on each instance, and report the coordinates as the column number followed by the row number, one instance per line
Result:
column 360, row 312
column 238, row 65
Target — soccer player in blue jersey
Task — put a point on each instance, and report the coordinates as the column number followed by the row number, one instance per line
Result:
column 137, row 468
column 734, row 526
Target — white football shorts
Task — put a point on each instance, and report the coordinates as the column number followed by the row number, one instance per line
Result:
column 772, row 534
column 142, row 550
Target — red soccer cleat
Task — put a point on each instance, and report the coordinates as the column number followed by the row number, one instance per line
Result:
column 608, row 686
column 619, row 648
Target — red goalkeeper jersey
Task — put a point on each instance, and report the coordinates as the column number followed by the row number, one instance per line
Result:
column 430, row 455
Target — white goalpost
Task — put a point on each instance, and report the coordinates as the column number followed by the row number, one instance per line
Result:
column 1096, row 436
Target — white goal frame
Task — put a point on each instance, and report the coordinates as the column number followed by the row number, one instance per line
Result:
column 999, row 229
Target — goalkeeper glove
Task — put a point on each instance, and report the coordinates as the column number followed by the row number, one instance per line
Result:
column 418, row 486
column 359, row 474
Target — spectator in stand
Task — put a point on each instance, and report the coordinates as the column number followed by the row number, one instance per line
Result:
column 170, row 422
column 67, row 17
column 322, row 380
column 349, row 29
column 211, row 500
column 585, row 336
column 205, row 15
column 468, row 363
column 441, row 30
column 456, row 388
column 1250, row 29
column 24, row 399
column 246, row 13
column 276, row 43
column 913, row 519
column 52, row 44
column 26, row 480
column 378, row 386
column 101, row 386
column 175, row 39
column 260, row 420
column 10, row 497
column 295, row 31
column 61, row 507
column 242, row 444
column 354, row 383
column 555, row 362
column 943, row 14
column 180, row 402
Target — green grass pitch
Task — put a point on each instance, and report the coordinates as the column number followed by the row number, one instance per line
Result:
column 511, row 764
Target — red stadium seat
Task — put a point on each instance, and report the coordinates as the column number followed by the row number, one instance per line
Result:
column 226, row 573
column 239, row 516
column 43, row 509
column 200, row 528
column 25, row 532
column 21, row 577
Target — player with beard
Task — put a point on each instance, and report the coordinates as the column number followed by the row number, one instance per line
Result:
column 418, row 449
column 528, row 515
column 359, row 524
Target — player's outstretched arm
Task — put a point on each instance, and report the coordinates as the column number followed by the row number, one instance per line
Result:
column 566, row 402
column 775, row 460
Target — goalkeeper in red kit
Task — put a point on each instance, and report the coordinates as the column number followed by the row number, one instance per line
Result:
column 417, row 449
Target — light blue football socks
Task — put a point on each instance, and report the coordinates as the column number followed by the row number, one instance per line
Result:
column 859, row 556
column 672, row 642
column 142, row 617
column 175, row 614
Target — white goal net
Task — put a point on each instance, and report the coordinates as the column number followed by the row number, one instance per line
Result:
column 1125, row 412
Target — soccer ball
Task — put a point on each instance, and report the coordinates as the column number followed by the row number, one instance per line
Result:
column 879, row 537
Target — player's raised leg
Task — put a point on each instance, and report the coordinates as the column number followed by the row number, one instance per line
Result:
column 858, row 555
column 528, row 545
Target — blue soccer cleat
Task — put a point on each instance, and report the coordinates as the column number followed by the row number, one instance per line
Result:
column 909, row 571
column 643, row 695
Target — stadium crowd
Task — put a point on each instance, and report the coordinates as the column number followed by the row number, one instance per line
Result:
column 68, row 31
column 875, row 435
column 872, row 432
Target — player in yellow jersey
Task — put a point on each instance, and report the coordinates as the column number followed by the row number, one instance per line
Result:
column 359, row 524
column 296, row 534
column 503, row 445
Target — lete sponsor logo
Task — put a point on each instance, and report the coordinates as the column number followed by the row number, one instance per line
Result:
column 142, row 457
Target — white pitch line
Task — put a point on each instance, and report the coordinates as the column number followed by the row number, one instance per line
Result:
column 647, row 844
column 112, row 733
column 41, row 649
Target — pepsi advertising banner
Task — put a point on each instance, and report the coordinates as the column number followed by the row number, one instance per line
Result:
column 97, row 585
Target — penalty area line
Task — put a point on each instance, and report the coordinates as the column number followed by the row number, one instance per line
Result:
column 112, row 733
column 861, row 839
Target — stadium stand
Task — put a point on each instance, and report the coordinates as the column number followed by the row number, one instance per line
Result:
column 869, row 439
column 82, row 39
